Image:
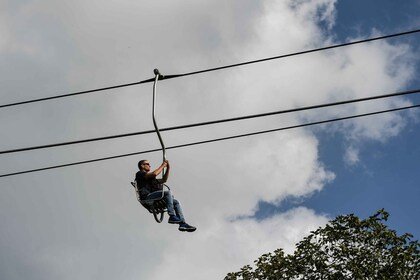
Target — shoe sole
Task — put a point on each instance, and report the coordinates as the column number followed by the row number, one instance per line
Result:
column 188, row 230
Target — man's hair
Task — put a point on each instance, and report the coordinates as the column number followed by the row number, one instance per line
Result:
column 141, row 162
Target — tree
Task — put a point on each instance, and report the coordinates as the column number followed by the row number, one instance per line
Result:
column 346, row 248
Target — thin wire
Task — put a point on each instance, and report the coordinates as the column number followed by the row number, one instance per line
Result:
column 213, row 69
column 212, row 140
column 213, row 122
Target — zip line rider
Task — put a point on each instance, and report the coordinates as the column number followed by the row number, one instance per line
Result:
column 151, row 188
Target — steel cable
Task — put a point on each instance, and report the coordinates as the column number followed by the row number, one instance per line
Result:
column 211, row 140
column 165, row 77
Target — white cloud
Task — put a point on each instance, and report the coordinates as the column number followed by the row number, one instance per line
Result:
column 227, row 246
column 351, row 156
column 85, row 219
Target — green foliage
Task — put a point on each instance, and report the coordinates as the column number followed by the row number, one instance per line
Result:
column 346, row 248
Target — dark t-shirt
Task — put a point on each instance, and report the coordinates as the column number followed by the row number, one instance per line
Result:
column 146, row 185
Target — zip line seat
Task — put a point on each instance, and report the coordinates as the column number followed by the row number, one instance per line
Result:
column 156, row 206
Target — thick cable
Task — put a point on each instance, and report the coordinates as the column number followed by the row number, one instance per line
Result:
column 73, row 94
column 212, row 140
column 292, row 54
column 213, row 69
column 213, row 122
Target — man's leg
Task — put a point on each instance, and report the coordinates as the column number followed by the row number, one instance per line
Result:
column 173, row 207
column 169, row 203
column 178, row 209
column 168, row 197
column 183, row 226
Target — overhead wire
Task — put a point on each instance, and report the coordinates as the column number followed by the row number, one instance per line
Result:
column 210, row 122
column 165, row 77
column 211, row 140
column 214, row 122
column 294, row 54
column 72, row 94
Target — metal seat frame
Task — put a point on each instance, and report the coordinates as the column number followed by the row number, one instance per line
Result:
column 156, row 206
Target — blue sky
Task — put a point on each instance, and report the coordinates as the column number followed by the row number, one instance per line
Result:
column 84, row 222
column 388, row 176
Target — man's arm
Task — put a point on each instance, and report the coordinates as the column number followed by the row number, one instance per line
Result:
column 166, row 175
column 155, row 173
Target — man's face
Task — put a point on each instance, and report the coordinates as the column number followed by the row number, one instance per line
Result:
column 146, row 166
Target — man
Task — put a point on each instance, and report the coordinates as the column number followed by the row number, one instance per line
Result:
column 150, row 188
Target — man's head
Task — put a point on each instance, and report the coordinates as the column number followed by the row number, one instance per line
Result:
column 144, row 165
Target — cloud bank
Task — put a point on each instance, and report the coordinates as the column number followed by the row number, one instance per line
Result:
column 84, row 222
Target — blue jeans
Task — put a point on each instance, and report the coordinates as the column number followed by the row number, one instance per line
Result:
column 173, row 205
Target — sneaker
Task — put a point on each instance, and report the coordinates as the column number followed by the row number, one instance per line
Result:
column 174, row 220
column 186, row 227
